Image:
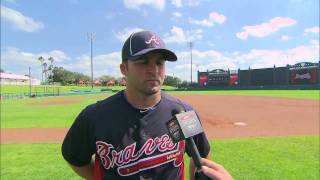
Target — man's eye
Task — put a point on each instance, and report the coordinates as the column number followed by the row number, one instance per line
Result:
column 160, row 62
column 144, row 62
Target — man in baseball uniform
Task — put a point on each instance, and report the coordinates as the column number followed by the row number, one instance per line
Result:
column 127, row 132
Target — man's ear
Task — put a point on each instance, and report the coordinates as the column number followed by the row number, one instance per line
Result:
column 123, row 68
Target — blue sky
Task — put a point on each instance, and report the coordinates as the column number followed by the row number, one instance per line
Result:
column 226, row 34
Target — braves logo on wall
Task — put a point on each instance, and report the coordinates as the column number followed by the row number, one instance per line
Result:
column 129, row 162
column 304, row 76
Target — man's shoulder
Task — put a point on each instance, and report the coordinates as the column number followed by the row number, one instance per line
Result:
column 176, row 101
column 110, row 101
column 116, row 98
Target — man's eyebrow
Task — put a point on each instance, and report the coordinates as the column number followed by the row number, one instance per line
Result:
column 160, row 57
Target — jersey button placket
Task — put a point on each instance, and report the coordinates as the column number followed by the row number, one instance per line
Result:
column 145, row 177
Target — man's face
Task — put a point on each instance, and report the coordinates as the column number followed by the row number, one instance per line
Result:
column 145, row 75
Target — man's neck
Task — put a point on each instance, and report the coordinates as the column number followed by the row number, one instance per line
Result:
column 142, row 101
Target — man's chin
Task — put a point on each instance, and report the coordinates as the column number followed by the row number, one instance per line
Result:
column 153, row 90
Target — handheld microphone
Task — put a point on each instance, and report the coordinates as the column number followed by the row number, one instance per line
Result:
column 183, row 126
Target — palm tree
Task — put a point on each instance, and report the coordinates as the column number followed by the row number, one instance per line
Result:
column 50, row 67
column 51, row 60
column 45, row 71
column 41, row 59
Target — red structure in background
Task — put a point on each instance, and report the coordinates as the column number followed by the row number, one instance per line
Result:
column 233, row 79
column 217, row 77
column 203, row 80
column 97, row 82
column 110, row 83
column 123, row 83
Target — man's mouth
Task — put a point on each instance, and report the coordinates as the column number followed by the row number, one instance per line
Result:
column 153, row 80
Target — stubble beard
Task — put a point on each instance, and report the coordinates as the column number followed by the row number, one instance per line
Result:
column 149, row 91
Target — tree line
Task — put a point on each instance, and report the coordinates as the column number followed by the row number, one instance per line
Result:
column 66, row 77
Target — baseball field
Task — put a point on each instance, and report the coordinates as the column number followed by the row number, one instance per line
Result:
column 254, row 134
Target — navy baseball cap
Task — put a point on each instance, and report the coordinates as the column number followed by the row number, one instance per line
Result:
column 143, row 42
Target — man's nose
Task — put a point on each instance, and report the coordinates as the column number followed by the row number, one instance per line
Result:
column 152, row 67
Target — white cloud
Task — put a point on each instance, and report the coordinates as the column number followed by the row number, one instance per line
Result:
column 285, row 38
column 202, row 61
column 211, row 44
column 265, row 29
column 17, row 61
column 108, row 64
column 312, row 30
column 189, row 3
column 213, row 18
column 178, row 35
column 136, row 4
column 103, row 64
column 20, row 21
column 314, row 42
column 123, row 35
column 258, row 58
column 177, row 3
column 176, row 14
column 14, row 55
column 255, row 58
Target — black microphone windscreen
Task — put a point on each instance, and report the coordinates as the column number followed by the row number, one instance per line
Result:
column 177, row 110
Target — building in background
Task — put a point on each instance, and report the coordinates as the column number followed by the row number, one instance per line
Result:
column 303, row 73
column 218, row 77
column 16, row 79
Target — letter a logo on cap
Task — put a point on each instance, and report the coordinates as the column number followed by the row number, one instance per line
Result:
column 153, row 40
column 143, row 42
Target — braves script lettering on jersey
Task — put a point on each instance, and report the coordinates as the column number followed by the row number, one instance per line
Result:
column 123, row 158
column 128, row 143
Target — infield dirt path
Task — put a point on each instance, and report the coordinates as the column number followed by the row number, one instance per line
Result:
column 221, row 116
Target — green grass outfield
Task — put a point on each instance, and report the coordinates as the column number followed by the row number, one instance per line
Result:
column 254, row 159
column 303, row 94
column 19, row 114
column 24, row 89
column 40, row 88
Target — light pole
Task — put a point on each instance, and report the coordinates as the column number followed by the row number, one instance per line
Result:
column 190, row 44
column 91, row 38
column 29, row 81
column 45, row 69
column 50, row 70
column 41, row 59
column 197, row 67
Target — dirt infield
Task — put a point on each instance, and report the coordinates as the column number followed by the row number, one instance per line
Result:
column 221, row 116
column 248, row 116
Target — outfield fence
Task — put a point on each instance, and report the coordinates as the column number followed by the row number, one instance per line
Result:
column 53, row 93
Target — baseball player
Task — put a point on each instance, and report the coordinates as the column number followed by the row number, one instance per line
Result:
column 127, row 132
